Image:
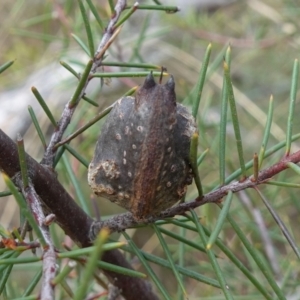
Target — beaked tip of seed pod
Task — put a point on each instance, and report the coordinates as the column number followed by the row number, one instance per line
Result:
column 149, row 81
column 170, row 84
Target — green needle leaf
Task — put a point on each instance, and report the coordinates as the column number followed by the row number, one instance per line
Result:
column 70, row 69
column 98, row 117
column 239, row 264
column 212, row 258
column 95, row 13
column 22, row 260
column 132, row 65
column 64, row 272
column 127, row 15
column 82, row 82
column 85, row 98
column 201, row 157
column 84, row 161
column 91, row 265
column 167, row 9
column 81, row 44
column 169, row 257
column 256, row 257
column 235, row 120
column 294, row 167
column 6, row 66
column 37, row 126
column 87, row 28
column 4, row 194
column 111, row 5
column 34, row 282
column 4, row 277
column 268, row 153
column 127, row 74
column 24, row 209
column 280, row 224
column 194, row 165
column 200, row 82
column 131, row 91
column 255, row 167
column 81, row 198
column 44, row 106
column 294, row 87
column 184, row 271
column 284, row 184
column 115, row 268
column 220, row 222
column 22, row 159
column 266, row 132
column 182, row 239
column 223, row 122
column 149, row 270
column 77, row 253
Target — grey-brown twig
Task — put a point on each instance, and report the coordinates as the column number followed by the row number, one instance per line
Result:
column 49, row 255
column 109, row 32
column 108, row 37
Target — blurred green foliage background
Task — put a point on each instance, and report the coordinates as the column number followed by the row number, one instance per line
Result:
column 265, row 39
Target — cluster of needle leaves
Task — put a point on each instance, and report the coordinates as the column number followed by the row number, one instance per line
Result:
column 203, row 257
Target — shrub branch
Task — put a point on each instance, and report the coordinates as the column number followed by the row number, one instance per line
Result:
column 69, row 216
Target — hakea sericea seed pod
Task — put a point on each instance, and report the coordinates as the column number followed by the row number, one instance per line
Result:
column 141, row 160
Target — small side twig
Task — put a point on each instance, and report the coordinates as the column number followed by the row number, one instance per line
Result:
column 34, row 204
column 49, row 255
column 109, row 31
column 110, row 34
